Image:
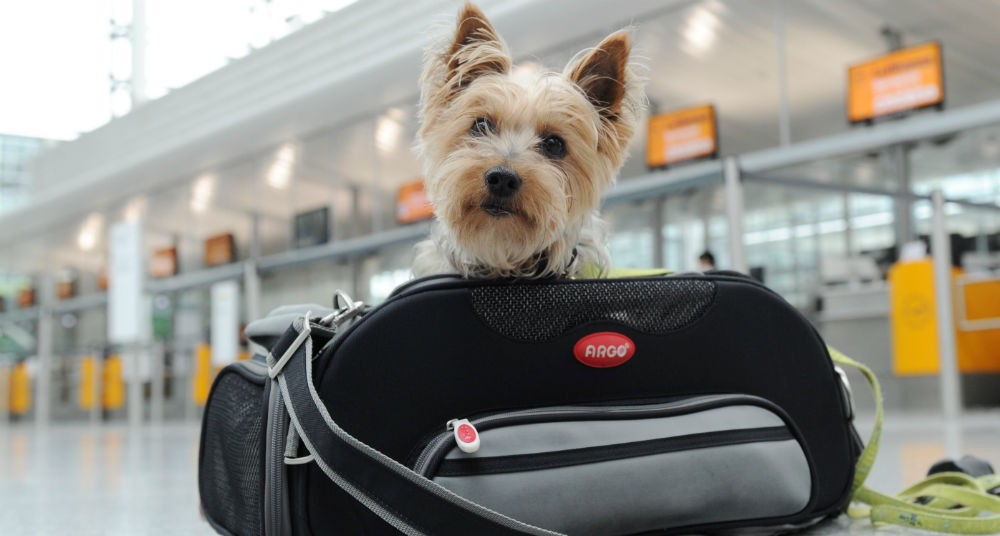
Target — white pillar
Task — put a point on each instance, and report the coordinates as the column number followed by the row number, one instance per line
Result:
column 138, row 42
column 734, row 213
column 951, row 388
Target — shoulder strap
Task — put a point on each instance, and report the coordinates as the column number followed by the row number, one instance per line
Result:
column 403, row 498
column 945, row 502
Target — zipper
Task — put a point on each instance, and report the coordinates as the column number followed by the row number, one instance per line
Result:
column 439, row 445
column 605, row 453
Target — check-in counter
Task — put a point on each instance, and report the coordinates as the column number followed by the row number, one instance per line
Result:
column 892, row 327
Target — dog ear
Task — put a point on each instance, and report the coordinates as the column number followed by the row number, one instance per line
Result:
column 476, row 49
column 602, row 74
column 608, row 80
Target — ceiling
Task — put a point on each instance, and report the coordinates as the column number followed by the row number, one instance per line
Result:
column 724, row 52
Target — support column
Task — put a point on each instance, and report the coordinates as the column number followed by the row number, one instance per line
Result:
column 133, row 400
column 781, row 49
column 251, row 277
column 951, row 387
column 902, row 207
column 157, row 355
column 138, row 41
column 899, row 157
column 43, row 385
column 734, row 214
column 656, row 221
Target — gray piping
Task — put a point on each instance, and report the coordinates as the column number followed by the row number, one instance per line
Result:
column 395, row 466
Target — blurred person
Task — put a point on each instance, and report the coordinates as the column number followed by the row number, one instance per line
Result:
column 706, row 261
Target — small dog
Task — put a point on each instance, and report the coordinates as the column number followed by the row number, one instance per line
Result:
column 515, row 163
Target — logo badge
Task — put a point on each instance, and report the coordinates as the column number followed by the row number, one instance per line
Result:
column 603, row 350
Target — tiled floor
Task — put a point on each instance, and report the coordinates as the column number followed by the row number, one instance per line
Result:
column 107, row 480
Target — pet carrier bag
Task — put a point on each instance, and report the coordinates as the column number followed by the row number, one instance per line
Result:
column 655, row 405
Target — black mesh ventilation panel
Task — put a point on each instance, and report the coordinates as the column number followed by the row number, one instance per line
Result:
column 536, row 313
column 231, row 473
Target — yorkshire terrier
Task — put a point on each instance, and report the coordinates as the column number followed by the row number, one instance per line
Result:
column 515, row 163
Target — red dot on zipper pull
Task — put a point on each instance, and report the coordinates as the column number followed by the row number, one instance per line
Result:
column 466, row 436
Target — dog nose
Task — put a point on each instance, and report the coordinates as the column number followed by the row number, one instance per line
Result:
column 502, row 182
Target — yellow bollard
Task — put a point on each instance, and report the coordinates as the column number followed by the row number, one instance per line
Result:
column 20, row 389
column 88, row 369
column 4, row 389
column 203, row 373
column 113, row 392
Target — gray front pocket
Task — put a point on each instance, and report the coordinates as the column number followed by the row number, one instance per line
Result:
column 613, row 470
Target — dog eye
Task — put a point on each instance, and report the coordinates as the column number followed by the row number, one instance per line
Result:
column 482, row 126
column 553, row 146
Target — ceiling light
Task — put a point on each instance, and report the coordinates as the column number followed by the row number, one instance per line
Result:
column 387, row 133
column 135, row 209
column 526, row 70
column 89, row 231
column 700, row 31
column 201, row 192
column 280, row 172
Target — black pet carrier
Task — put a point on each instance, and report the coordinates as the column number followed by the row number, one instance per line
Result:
column 666, row 405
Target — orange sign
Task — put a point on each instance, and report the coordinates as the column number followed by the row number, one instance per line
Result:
column 681, row 135
column 903, row 80
column 220, row 249
column 102, row 278
column 65, row 289
column 164, row 263
column 412, row 203
column 26, row 297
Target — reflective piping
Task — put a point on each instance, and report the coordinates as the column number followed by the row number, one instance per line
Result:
column 301, row 460
column 274, row 370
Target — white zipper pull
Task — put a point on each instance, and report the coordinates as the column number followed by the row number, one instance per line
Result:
column 466, row 435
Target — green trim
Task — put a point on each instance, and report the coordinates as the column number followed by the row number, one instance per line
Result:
column 592, row 272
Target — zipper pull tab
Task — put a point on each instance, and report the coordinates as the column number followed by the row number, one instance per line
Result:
column 466, row 435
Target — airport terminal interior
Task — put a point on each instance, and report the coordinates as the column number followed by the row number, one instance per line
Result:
column 189, row 166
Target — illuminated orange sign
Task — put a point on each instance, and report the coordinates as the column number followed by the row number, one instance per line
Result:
column 164, row 263
column 26, row 297
column 412, row 203
column 681, row 135
column 903, row 80
column 220, row 249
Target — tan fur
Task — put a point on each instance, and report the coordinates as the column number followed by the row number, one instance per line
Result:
column 554, row 229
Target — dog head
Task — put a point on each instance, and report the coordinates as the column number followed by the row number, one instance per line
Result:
column 516, row 162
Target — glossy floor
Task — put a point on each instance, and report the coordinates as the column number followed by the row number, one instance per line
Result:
column 108, row 480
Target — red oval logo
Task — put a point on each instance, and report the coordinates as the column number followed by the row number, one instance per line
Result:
column 604, row 349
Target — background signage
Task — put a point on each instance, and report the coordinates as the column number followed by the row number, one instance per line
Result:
column 681, row 135
column 220, row 249
column 903, row 80
column 412, row 203
column 312, row 227
column 164, row 262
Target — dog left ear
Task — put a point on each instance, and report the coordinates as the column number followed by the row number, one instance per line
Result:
column 602, row 74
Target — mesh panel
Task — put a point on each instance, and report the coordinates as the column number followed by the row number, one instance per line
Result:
column 535, row 313
column 232, row 479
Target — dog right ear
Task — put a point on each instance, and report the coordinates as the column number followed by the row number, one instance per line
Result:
column 475, row 51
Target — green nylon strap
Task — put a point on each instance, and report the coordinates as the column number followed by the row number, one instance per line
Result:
column 867, row 458
column 956, row 503
column 590, row 271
